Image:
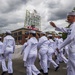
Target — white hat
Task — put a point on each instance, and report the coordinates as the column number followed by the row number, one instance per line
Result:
column 43, row 33
column 32, row 31
column 60, row 34
column 71, row 13
column 8, row 31
column 49, row 35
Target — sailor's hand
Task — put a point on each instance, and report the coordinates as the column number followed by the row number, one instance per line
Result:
column 52, row 24
column 57, row 50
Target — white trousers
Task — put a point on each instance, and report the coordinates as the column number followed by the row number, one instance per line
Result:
column 7, row 56
column 30, row 67
column 43, row 60
column 63, row 58
column 50, row 60
column 71, row 65
column 60, row 56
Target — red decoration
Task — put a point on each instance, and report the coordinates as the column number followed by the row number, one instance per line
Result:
column 33, row 28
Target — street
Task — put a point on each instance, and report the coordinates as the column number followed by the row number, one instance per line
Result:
column 20, row 70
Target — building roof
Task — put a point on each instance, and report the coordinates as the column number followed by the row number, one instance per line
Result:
column 23, row 29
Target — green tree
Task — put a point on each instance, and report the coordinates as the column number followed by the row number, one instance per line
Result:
column 73, row 9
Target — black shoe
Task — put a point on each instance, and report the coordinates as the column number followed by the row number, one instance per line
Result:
column 10, row 74
column 41, row 70
column 3, row 73
column 60, row 61
column 58, row 65
column 48, row 68
column 45, row 73
column 56, row 68
column 39, row 74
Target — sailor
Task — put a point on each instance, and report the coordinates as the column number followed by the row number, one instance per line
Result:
column 30, row 54
column 61, row 56
column 8, row 48
column 51, row 52
column 55, row 46
column 70, row 40
column 43, row 49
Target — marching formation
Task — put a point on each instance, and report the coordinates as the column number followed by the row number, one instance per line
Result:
column 45, row 47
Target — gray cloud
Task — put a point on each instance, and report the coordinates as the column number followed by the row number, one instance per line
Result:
column 53, row 4
column 12, row 12
column 58, row 10
column 12, row 5
column 8, row 9
column 5, row 22
column 57, row 15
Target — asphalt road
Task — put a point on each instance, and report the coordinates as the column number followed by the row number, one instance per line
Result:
column 20, row 70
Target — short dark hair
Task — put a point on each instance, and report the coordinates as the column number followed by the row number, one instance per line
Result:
column 34, row 34
column 50, row 37
column 38, row 34
column 27, row 33
column 8, row 33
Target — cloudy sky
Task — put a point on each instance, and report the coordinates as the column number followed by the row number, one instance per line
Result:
column 12, row 12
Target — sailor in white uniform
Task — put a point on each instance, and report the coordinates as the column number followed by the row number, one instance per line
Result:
column 8, row 48
column 51, row 52
column 70, row 40
column 55, row 46
column 30, row 54
column 61, row 56
column 43, row 49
